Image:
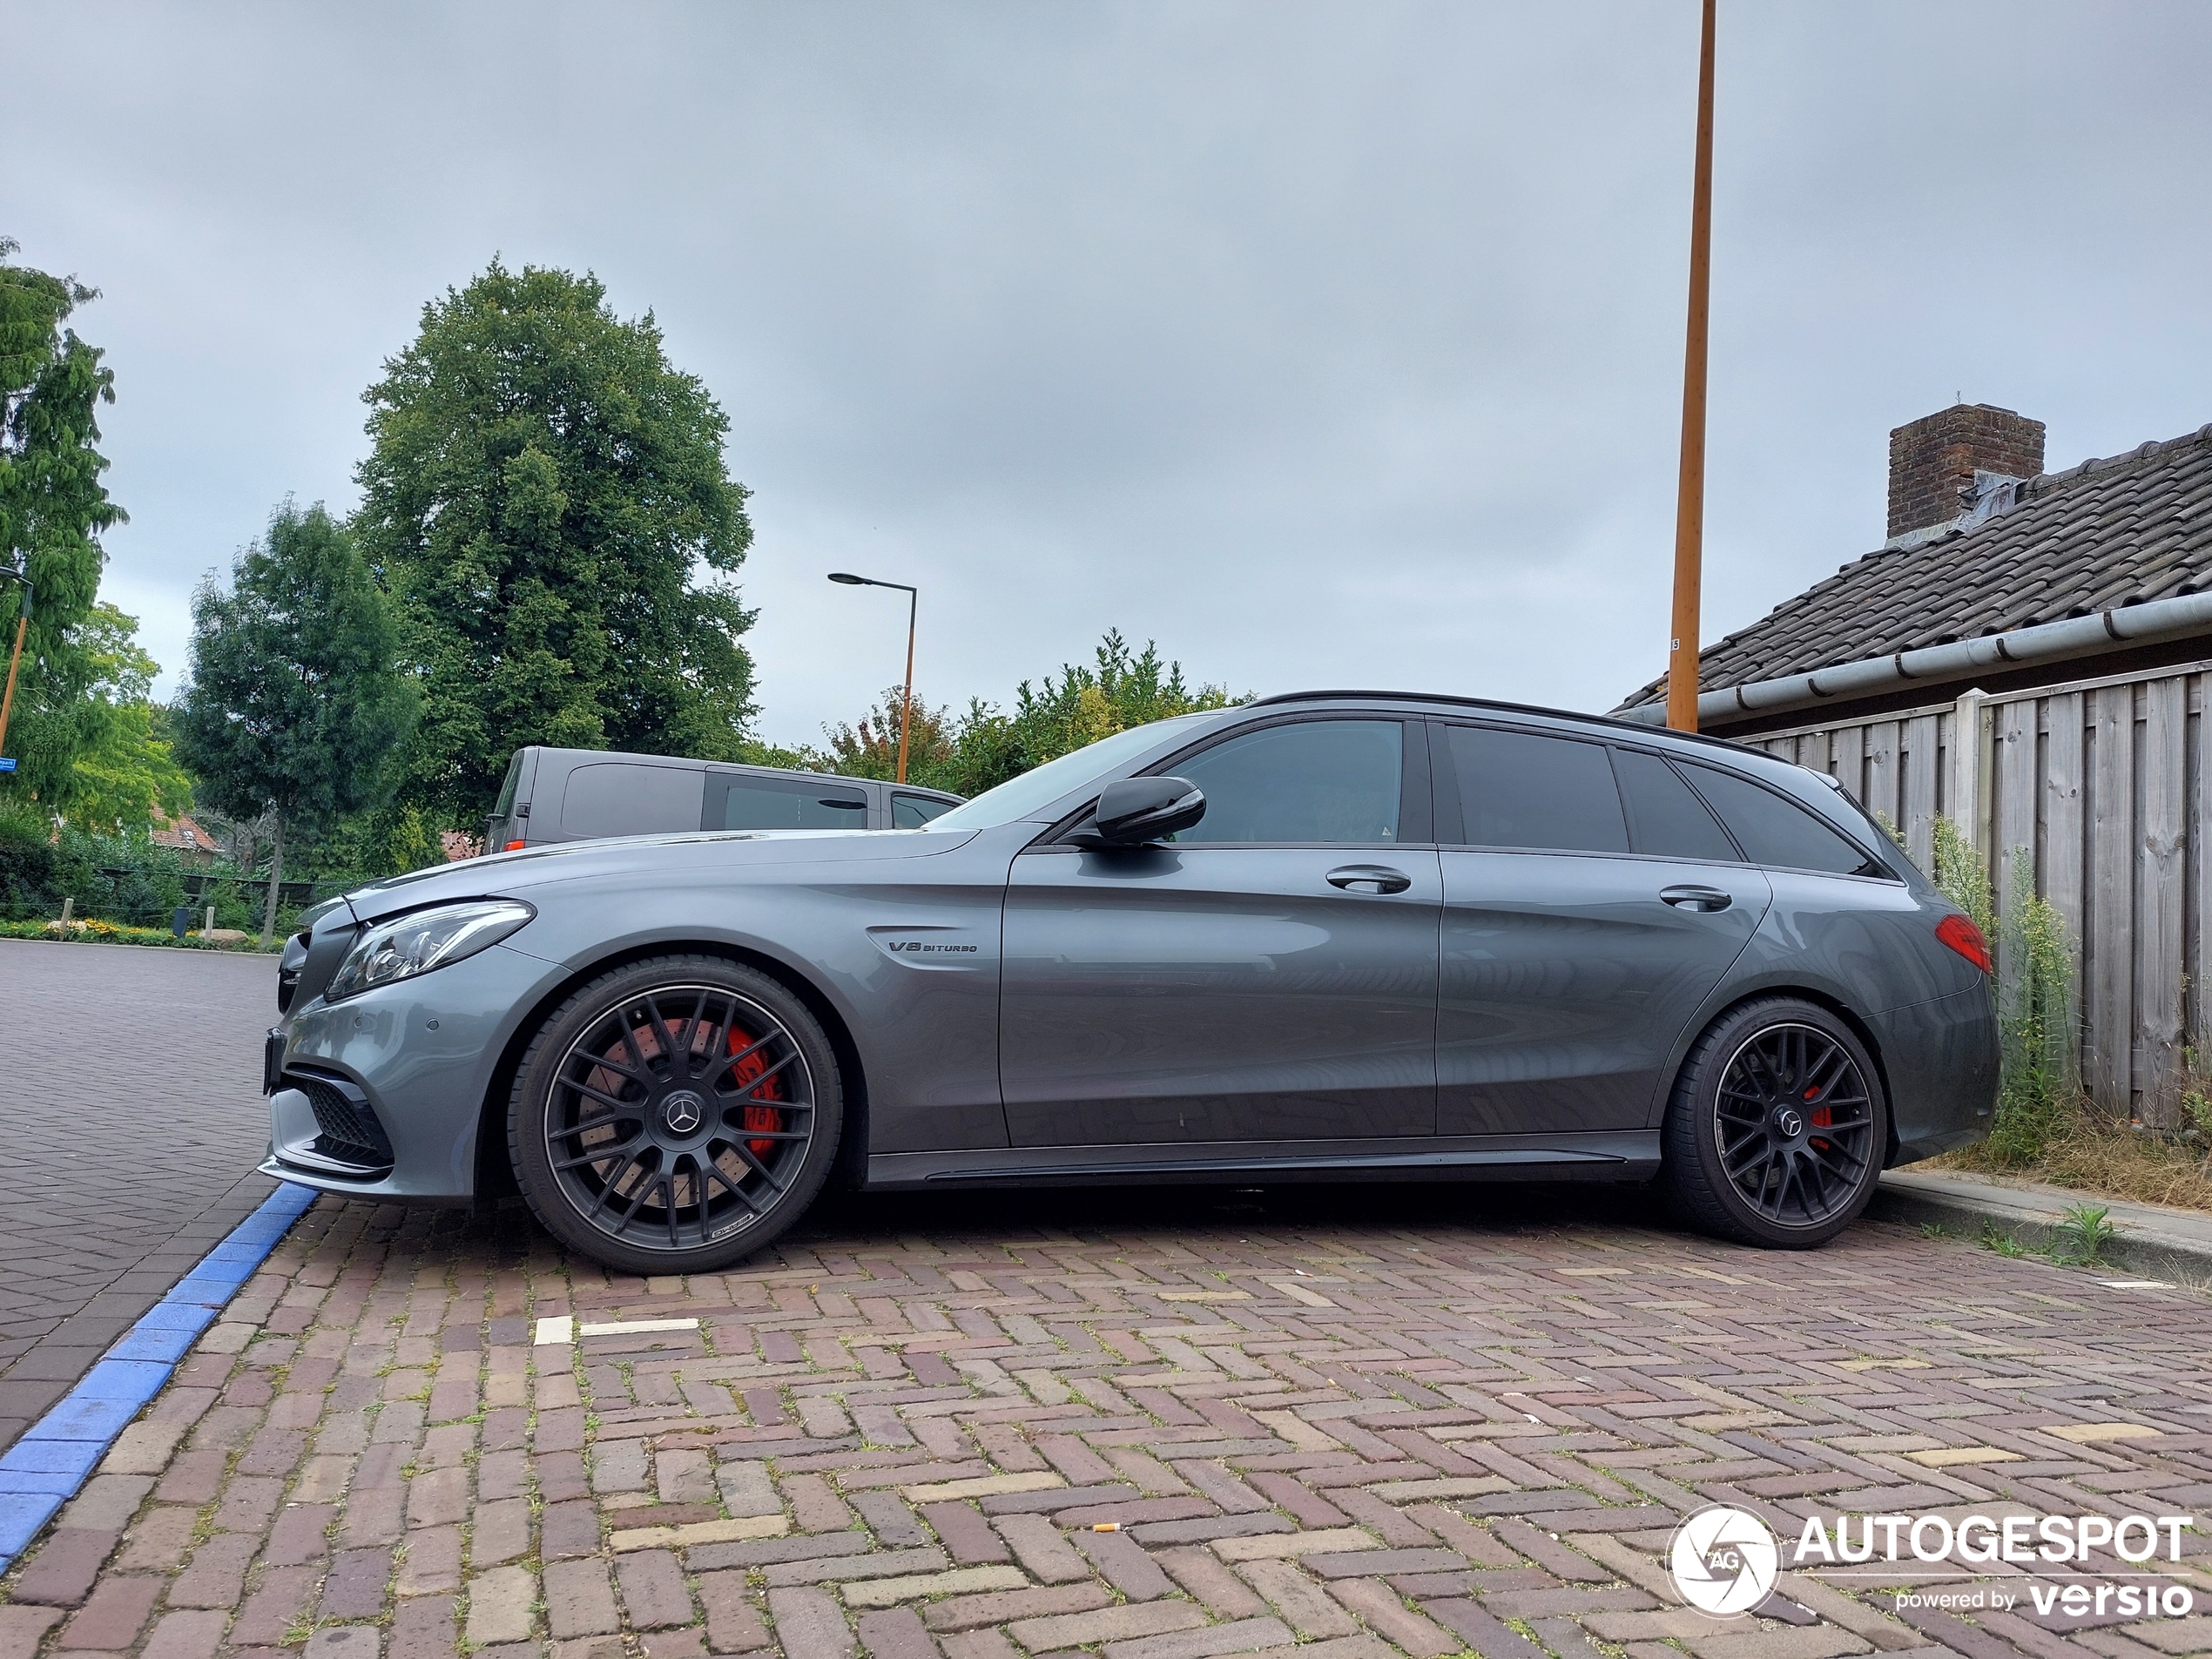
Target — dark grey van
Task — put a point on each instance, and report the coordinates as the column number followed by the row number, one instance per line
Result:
column 587, row 794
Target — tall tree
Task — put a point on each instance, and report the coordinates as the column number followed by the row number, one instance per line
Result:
column 122, row 768
column 52, row 509
column 544, row 493
column 296, row 701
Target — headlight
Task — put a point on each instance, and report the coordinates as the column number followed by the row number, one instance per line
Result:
column 415, row 944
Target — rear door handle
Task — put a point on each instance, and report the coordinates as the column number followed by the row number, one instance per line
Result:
column 1695, row 897
column 1370, row 878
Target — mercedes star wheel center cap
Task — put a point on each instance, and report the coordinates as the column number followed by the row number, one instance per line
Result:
column 683, row 1112
column 1787, row 1120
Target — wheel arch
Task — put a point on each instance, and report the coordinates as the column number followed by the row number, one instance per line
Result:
column 1860, row 1028
column 494, row 1170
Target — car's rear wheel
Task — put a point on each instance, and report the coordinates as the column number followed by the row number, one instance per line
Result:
column 675, row 1115
column 1778, row 1127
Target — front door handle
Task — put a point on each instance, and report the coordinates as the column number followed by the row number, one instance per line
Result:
column 1370, row 878
column 1695, row 897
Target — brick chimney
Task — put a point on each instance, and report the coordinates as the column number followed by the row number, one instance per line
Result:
column 1933, row 462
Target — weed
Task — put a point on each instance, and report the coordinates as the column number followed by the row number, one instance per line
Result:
column 2084, row 1233
column 1995, row 1237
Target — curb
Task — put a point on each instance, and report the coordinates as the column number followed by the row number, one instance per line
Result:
column 56, row 1454
column 2151, row 1239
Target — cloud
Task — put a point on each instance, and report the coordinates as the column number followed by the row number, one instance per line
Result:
column 1328, row 344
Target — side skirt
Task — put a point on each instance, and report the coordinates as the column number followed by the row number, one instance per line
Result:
column 1626, row 1154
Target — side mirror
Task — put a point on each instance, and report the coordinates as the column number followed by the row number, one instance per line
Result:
column 1133, row 810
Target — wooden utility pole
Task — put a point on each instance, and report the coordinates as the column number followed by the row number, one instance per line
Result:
column 1690, row 497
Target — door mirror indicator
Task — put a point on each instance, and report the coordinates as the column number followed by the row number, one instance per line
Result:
column 1132, row 812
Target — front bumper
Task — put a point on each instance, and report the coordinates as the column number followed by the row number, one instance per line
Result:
column 1941, row 1062
column 423, row 1055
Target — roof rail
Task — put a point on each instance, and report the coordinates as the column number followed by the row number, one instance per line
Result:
column 1643, row 728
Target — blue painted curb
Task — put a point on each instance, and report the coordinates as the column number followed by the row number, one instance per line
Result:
column 43, row 1471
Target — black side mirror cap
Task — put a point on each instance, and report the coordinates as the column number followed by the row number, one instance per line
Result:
column 1134, row 811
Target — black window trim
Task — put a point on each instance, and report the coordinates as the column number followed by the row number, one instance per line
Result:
column 1416, row 789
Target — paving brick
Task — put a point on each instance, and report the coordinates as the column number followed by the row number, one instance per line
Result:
column 967, row 1612
column 500, row 1605
column 113, row 1614
column 423, row 1628
column 733, row 1624
column 357, row 1584
column 810, row 1625
column 896, row 1633
column 1302, row 1603
column 1250, row 1636
column 1041, row 1548
column 21, row 1628
column 652, row 1590
column 1126, row 1566
column 1104, row 1624
column 185, row 1635
column 62, row 1573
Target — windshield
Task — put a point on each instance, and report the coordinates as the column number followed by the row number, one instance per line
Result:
column 1017, row 798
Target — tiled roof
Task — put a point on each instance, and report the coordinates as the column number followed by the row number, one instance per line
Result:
column 2106, row 533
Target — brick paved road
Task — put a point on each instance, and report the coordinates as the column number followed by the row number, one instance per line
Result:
column 131, row 1120
column 1342, row 1422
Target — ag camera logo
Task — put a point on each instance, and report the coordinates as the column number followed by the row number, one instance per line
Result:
column 1724, row 1561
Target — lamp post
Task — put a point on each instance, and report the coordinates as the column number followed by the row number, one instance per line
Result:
column 21, row 574
column 906, row 699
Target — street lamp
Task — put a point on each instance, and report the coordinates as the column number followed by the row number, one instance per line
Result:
column 906, row 701
column 17, row 573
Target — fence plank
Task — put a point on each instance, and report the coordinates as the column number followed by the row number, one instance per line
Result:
column 1847, row 759
column 1882, row 770
column 2161, row 837
column 2015, row 788
column 2111, row 958
column 1916, row 801
column 2199, row 912
column 2064, row 851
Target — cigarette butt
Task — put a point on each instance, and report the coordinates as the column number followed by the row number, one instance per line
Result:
column 1105, row 1525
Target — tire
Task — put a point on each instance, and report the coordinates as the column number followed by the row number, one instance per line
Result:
column 675, row 1115
column 1778, row 1128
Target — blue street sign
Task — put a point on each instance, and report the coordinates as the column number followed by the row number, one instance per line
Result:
column 7, row 763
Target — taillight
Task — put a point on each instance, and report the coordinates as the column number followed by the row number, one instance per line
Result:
column 516, row 847
column 1960, row 934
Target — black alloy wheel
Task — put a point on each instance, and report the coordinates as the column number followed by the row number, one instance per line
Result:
column 1779, row 1127
column 675, row 1115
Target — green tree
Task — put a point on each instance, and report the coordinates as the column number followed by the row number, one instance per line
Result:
column 123, row 769
column 544, row 489
column 296, row 702
column 53, row 508
column 984, row 747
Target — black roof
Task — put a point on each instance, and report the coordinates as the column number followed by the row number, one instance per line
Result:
column 2108, row 533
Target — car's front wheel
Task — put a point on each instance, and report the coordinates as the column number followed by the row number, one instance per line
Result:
column 675, row 1115
column 1778, row 1128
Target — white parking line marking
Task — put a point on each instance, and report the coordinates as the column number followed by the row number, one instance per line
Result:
column 561, row 1328
column 626, row 1327
column 2134, row 1285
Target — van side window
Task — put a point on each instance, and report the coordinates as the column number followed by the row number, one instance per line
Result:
column 1668, row 819
column 779, row 804
column 623, row 798
column 911, row 812
column 1524, row 789
column 1777, row 831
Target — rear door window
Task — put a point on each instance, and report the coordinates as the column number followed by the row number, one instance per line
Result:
column 626, row 798
column 1523, row 789
column 1331, row 782
column 1776, row 832
column 1667, row 819
column 788, row 804
column 911, row 812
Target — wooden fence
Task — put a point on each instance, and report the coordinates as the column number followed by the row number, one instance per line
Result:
column 2094, row 795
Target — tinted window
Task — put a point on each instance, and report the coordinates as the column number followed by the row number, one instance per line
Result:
column 1312, row 780
column 505, row 804
column 1774, row 831
column 1669, row 819
column 1517, row 789
column 619, row 798
column 766, row 803
column 911, row 812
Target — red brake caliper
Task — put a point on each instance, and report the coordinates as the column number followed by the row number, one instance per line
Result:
column 1823, row 1117
column 756, row 1115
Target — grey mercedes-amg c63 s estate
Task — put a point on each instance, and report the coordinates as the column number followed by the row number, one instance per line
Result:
column 1335, row 935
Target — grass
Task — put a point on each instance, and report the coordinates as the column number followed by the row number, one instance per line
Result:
column 2112, row 1161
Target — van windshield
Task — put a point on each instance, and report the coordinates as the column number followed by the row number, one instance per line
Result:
column 1017, row 798
column 507, row 789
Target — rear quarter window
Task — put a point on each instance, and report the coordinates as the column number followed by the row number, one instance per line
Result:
column 1776, row 832
column 622, row 798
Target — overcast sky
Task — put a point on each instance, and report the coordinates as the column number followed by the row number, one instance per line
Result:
column 1326, row 345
